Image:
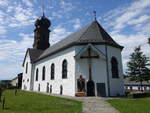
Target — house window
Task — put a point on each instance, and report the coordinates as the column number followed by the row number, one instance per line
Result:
column 114, row 67
column 52, row 71
column 43, row 73
column 37, row 72
column 64, row 69
column 27, row 67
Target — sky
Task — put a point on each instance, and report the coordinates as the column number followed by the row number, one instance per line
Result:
column 127, row 21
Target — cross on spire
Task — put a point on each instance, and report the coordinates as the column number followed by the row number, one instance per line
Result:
column 94, row 12
column 43, row 9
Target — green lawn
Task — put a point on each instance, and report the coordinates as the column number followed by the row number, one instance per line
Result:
column 131, row 105
column 28, row 102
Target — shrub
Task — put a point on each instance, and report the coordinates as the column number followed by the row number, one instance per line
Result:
column 139, row 95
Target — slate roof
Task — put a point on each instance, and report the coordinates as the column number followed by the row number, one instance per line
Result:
column 34, row 54
column 92, row 33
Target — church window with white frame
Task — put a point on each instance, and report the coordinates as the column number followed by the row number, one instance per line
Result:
column 43, row 73
column 52, row 71
column 64, row 69
column 37, row 74
column 27, row 67
column 114, row 67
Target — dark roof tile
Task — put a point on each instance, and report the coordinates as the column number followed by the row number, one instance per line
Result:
column 92, row 33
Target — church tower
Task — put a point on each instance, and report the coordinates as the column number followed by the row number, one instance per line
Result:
column 41, row 33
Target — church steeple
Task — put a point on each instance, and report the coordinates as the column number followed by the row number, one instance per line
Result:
column 41, row 33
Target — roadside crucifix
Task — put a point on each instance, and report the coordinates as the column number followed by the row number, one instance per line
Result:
column 90, row 83
column 89, row 57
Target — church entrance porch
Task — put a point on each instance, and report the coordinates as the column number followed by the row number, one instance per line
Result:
column 86, row 59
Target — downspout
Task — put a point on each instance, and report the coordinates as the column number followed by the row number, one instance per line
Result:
column 107, row 69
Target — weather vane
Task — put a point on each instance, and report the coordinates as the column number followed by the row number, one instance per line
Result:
column 94, row 12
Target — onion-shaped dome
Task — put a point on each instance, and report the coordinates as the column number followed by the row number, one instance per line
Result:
column 43, row 22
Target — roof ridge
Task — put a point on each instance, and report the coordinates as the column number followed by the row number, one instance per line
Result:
column 85, row 31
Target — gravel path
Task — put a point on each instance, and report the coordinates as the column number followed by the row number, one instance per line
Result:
column 96, row 105
column 92, row 104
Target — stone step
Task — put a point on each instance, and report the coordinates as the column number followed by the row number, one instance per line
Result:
column 80, row 94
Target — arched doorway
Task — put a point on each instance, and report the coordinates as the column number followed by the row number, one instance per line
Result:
column 47, row 88
column 90, row 88
column 39, row 87
column 61, row 90
column 50, row 88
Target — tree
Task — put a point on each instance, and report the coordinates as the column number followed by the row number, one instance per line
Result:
column 138, row 66
column 1, row 92
column 149, row 41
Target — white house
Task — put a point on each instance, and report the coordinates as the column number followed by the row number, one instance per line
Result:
column 87, row 62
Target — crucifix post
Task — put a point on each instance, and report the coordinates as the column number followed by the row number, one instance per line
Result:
column 89, row 62
column 89, row 57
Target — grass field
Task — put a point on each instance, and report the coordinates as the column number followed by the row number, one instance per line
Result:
column 131, row 105
column 28, row 102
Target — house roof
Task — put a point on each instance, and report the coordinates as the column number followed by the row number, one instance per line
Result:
column 92, row 33
column 127, row 81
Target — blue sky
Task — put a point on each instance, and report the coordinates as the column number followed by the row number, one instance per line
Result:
column 127, row 21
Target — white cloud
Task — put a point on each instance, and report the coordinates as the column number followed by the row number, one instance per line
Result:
column 28, row 3
column 11, row 55
column 66, row 6
column 58, row 34
column 57, row 14
column 77, row 23
column 12, row 50
column 139, row 20
column 2, row 30
column 22, row 17
column 11, row 71
column 129, row 26
column 122, row 17
column 4, row 3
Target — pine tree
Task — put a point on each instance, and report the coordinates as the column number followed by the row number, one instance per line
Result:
column 149, row 41
column 138, row 66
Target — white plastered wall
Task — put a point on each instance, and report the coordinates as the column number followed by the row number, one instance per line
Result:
column 26, row 80
column 116, row 84
column 99, row 70
column 68, row 83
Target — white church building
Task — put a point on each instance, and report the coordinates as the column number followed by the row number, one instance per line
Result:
column 86, row 63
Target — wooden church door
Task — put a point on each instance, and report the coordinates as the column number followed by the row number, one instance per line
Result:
column 90, row 88
column 101, row 89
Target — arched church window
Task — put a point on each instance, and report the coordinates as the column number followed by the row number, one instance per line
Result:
column 114, row 67
column 27, row 67
column 52, row 71
column 64, row 69
column 43, row 73
column 37, row 73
